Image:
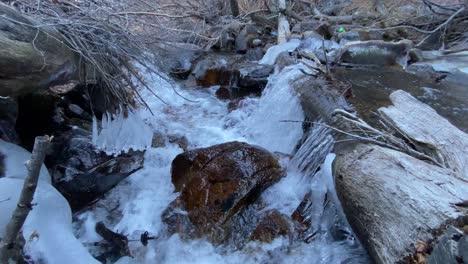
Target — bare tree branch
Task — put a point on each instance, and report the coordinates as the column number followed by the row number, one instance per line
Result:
column 24, row 205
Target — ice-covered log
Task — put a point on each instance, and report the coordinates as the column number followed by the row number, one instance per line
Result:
column 32, row 56
column 429, row 132
column 392, row 199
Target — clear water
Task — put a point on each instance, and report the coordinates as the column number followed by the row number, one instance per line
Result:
column 136, row 205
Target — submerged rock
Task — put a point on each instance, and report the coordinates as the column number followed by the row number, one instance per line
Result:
column 218, row 182
column 272, row 225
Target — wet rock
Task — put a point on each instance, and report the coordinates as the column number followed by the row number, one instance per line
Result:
column 324, row 30
column 284, row 60
column 310, row 25
column 181, row 141
column 177, row 220
column 8, row 115
column 245, row 38
column 375, row 52
column 311, row 34
column 83, row 173
column 272, row 225
column 218, row 182
column 158, row 140
column 254, row 54
column 254, row 76
column 180, row 73
column 233, row 72
column 446, row 249
column 302, row 213
column 216, row 70
column 223, row 93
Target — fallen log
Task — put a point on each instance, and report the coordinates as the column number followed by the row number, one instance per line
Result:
column 429, row 132
column 392, row 199
column 32, row 56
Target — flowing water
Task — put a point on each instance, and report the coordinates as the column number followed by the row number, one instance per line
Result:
column 136, row 205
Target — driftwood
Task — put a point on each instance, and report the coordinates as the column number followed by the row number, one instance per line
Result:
column 25, row 202
column 32, row 56
column 429, row 132
column 392, row 199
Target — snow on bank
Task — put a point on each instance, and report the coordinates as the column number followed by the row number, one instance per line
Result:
column 48, row 228
column 14, row 162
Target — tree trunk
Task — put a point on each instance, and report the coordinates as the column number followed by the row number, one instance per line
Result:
column 32, row 56
column 235, row 8
column 25, row 202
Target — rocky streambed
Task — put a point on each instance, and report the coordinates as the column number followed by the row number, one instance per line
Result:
column 257, row 158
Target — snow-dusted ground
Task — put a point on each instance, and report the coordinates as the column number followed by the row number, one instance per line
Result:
column 141, row 199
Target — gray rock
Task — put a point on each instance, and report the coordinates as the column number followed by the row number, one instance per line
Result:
column 254, row 76
column 284, row 59
column 374, row 52
column 463, row 248
column 75, row 109
column 257, row 42
column 349, row 36
column 311, row 34
column 254, row 54
column 446, row 249
column 245, row 38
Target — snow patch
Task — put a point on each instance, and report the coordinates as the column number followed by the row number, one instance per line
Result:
column 15, row 159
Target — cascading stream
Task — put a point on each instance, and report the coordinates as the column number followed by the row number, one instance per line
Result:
column 136, row 205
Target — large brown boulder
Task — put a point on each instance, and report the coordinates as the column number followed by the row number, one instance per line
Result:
column 218, row 182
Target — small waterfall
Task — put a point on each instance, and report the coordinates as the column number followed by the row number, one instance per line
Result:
column 312, row 153
column 314, row 161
